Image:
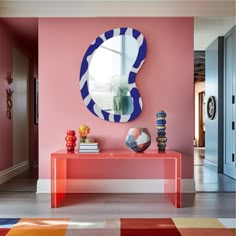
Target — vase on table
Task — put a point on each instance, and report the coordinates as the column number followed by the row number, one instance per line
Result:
column 138, row 139
column 161, row 131
column 70, row 141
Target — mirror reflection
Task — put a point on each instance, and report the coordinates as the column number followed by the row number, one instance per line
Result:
column 108, row 74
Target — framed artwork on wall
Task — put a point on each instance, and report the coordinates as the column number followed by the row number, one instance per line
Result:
column 35, row 101
column 211, row 107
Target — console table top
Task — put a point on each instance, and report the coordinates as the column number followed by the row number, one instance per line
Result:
column 120, row 154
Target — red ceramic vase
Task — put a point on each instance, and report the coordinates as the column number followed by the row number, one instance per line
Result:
column 70, row 141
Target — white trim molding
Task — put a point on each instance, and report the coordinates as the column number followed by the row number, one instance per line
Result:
column 115, row 186
column 13, row 171
column 115, row 8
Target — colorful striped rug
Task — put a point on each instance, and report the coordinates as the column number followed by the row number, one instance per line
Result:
column 118, row 227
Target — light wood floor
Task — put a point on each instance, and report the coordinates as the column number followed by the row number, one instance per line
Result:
column 207, row 180
column 107, row 206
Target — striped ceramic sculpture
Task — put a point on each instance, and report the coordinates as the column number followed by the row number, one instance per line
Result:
column 161, row 131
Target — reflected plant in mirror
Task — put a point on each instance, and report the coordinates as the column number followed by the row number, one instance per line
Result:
column 107, row 74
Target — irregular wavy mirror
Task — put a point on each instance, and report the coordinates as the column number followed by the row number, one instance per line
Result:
column 107, row 75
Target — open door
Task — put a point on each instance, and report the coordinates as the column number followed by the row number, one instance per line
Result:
column 230, row 105
column 201, row 141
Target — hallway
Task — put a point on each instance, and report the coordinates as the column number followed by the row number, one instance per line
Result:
column 207, row 180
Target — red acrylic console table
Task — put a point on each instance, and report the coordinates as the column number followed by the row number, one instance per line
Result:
column 171, row 160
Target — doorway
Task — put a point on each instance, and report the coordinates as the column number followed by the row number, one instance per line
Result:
column 206, row 143
column 20, row 108
column 20, row 43
column 201, row 119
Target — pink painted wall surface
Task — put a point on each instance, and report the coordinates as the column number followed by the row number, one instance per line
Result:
column 165, row 81
column 6, row 125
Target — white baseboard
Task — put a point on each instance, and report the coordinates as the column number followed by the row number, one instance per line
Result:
column 115, row 186
column 13, row 171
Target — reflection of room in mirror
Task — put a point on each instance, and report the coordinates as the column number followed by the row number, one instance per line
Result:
column 108, row 74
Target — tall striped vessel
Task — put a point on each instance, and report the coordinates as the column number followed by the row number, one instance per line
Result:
column 161, row 131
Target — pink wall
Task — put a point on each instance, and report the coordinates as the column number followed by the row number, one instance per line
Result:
column 6, row 42
column 165, row 82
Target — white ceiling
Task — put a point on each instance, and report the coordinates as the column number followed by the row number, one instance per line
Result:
column 212, row 18
column 207, row 29
column 95, row 8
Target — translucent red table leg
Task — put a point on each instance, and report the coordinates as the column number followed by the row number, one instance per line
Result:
column 172, row 184
column 58, row 180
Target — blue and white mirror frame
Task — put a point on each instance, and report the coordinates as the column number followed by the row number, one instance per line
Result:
column 134, row 93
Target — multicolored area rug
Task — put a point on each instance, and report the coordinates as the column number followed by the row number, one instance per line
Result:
column 118, row 227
